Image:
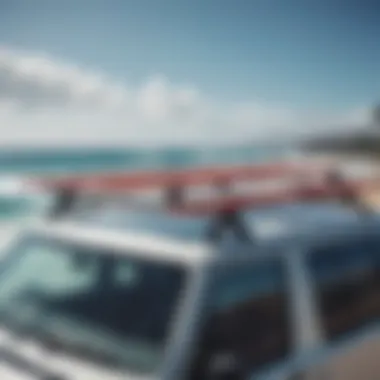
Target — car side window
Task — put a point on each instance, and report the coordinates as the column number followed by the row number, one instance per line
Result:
column 247, row 318
column 346, row 278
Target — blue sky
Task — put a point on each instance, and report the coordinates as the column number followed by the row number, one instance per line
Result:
column 308, row 53
column 254, row 58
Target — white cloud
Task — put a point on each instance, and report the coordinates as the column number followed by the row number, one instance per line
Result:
column 44, row 101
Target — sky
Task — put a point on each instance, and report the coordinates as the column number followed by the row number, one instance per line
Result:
column 142, row 72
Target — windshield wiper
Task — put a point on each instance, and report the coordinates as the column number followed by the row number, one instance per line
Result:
column 51, row 342
column 87, row 351
column 59, row 343
column 13, row 325
column 24, row 365
column 16, row 360
column 38, row 330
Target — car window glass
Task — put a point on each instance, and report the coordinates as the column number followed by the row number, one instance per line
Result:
column 346, row 285
column 247, row 316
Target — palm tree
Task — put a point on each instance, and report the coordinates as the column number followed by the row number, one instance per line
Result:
column 376, row 117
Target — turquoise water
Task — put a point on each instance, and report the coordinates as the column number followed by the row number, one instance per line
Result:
column 32, row 162
column 82, row 160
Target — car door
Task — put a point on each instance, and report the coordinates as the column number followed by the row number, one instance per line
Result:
column 246, row 321
column 346, row 281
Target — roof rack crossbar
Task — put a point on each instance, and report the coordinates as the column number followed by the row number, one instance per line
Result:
column 346, row 194
column 64, row 202
column 228, row 220
column 174, row 195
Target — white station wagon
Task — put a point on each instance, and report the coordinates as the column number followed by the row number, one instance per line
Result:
column 290, row 292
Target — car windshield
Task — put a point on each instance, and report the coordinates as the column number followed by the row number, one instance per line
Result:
column 88, row 301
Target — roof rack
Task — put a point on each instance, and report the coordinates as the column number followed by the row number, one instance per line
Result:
column 174, row 184
column 133, row 181
column 295, row 183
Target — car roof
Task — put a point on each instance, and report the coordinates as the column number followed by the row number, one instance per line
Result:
column 264, row 223
column 182, row 238
column 123, row 242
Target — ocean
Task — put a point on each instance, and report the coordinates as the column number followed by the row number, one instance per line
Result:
column 21, row 163
column 84, row 160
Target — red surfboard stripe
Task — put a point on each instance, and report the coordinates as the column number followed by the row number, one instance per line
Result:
column 316, row 192
column 191, row 177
